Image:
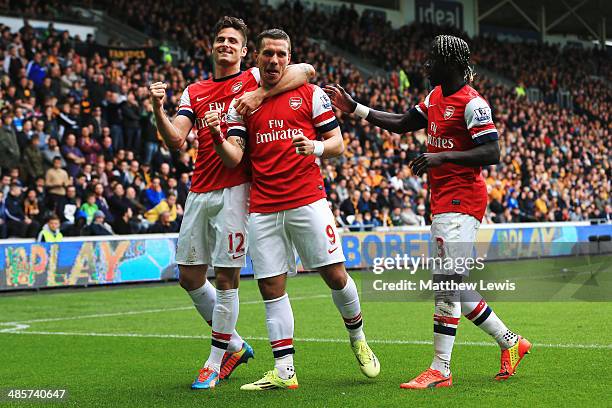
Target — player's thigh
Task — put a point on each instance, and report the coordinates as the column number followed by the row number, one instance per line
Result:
column 229, row 218
column 452, row 237
column 314, row 234
column 193, row 246
column 269, row 247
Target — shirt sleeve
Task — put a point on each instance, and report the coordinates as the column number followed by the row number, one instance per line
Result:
column 185, row 108
column 422, row 107
column 323, row 116
column 479, row 121
column 236, row 125
column 255, row 72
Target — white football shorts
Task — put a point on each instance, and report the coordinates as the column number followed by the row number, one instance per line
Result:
column 214, row 228
column 275, row 237
column 453, row 236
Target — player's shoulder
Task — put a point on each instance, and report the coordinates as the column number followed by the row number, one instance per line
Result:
column 250, row 74
column 199, row 86
column 306, row 91
column 433, row 95
column 471, row 95
column 308, row 88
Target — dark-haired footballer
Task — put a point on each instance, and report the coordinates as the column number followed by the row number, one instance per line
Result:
column 461, row 138
column 214, row 227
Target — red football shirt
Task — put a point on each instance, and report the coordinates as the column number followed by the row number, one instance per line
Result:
column 215, row 94
column 282, row 179
column 457, row 122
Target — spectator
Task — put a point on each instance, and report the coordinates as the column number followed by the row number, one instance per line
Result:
column 56, row 181
column 357, row 224
column 113, row 105
column 33, row 160
column 368, row 222
column 154, row 194
column 118, row 201
column 3, row 227
column 9, row 148
column 123, row 222
column 385, row 218
column 101, row 201
column 18, row 224
column 50, row 152
column 69, row 119
column 98, row 227
column 168, row 205
column 32, row 207
column 89, row 146
column 421, row 220
column 137, row 206
column 98, row 124
column 164, row 225
column 149, row 132
column 5, row 185
column 67, row 207
column 50, row 232
column 350, row 206
column 89, row 207
column 73, row 155
column 396, row 217
column 130, row 111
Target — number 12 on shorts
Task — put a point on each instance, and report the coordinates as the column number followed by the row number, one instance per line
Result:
column 237, row 239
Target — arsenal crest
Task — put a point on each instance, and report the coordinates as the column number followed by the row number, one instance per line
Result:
column 295, row 102
column 449, row 112
column 237, row 87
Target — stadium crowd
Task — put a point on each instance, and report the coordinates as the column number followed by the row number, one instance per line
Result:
column 78, row 137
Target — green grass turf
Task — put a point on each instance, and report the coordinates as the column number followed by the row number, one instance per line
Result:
column 154, row 371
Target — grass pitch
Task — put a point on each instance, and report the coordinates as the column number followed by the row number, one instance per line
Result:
column 142, row 345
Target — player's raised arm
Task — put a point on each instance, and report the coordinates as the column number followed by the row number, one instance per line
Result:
column 231, row 147
column 393, row 122
column 175, row 132
column 294, row 76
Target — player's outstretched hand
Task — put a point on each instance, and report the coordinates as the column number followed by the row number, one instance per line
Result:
column 158, row 94
column 213, row 121
column 340, row 98
column 303, row 145
column 249, row 101
column 421, row 164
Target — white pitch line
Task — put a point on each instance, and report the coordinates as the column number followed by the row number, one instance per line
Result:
column 16, row 327
column 310, row 339
column 137, row 312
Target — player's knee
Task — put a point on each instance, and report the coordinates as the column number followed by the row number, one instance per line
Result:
column 227, row 278
column 270, row 289
column 186, row 282
column 191, row 278
column 334, row 275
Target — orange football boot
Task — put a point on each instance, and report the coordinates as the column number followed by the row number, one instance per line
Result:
column 510, row 358
column 429, row 378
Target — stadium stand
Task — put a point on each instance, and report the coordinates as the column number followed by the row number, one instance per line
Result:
column 78, row 136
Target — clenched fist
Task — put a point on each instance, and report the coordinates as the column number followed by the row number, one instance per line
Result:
column 303, row 145
column 213, row 121
column 158, row 94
